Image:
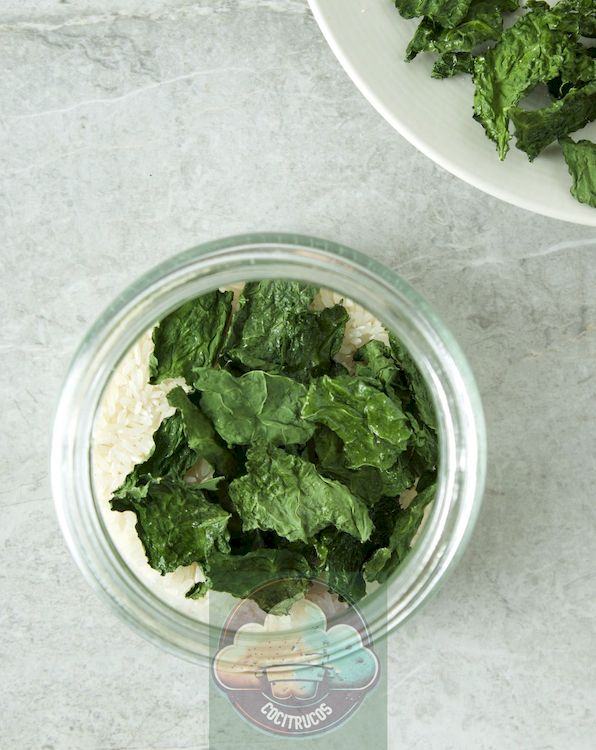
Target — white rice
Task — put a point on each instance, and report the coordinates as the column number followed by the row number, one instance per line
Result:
column 129, row 413
column 361, row 326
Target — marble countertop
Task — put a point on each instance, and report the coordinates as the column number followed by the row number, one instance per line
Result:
column 133, row 129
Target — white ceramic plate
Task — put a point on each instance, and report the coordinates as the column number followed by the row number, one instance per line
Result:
column 369, row 38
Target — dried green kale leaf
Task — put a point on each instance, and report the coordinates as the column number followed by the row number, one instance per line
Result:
column 342, row 560
column 200, row 435
column 534, row 50
column 170, row 456
column 176, row 523
column 581, row 162
column 396, row 372
column 256, row 407
column 413, row 381
column 275, row 330
column 450, row 64
column 190, row 337
column 578, row 17
column 448, row 13
column 374, row 362
column 536, row 129
column 587, row 24
column 578, row 69
column 285, row 493
column 273, row 578
column 483, row 22
column 372, row 426
column 368, row 482
column 406, row 523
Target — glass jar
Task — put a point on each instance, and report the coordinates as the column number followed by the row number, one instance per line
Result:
column 248, row 258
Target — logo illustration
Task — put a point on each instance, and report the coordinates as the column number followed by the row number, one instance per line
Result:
column 298, row 674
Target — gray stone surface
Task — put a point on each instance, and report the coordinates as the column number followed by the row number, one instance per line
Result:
column 133, row 129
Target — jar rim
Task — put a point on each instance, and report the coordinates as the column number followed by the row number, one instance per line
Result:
column 379, row 290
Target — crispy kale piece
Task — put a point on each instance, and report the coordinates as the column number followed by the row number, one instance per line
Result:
column 255, row 407
column 536, row 129
column 368, row 482
column 190, row 337
column 450, row 64
column 534, row 50
column 275, row 330
column 200, row 435
column 176, row 523
column 285, row 493
column 448, row 13
column 482, row 23
column 581, row 162
column 372, row 426
column 406, row 522
column 273, row 578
